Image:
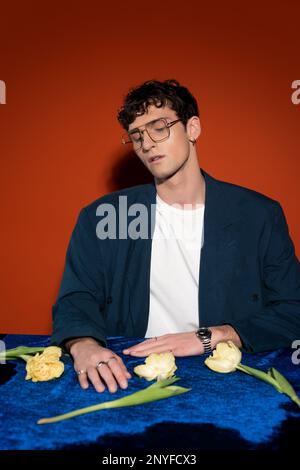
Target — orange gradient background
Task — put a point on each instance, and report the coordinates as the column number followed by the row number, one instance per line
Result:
column 68, row 64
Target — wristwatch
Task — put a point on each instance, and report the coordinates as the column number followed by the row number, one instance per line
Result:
column 204, row 334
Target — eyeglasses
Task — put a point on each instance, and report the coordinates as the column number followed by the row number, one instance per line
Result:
column 158, row 130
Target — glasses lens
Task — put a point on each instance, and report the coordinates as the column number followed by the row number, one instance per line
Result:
column 135, row 137
column 158, row 130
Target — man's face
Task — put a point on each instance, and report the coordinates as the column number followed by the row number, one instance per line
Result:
column 173, row 152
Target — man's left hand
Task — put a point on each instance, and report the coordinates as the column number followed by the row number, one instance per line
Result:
column 183, row 344
column 180, row 344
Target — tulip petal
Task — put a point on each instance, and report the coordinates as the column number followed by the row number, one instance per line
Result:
column 225, row 357
column 158, row 366
column 220, row 365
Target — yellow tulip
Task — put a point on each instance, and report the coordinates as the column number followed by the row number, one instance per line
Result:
column 226, row 357
column 53, row 353
column 45, row 366
column 158, row 366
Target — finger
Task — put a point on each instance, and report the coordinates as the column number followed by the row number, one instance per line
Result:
column 124, row 368
column 95, row 379
column 83, row 381
column 147, row 342
column 106, row 376
column 119, row 372
column 148, row 346
column 126, row 372
column 121, row 364
column 145, row 352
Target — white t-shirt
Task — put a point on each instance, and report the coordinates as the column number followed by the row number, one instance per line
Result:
column 175, row 263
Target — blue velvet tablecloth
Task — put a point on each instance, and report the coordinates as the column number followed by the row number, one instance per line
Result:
column 222, row 411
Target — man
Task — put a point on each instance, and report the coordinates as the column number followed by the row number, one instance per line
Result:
column 233, row 269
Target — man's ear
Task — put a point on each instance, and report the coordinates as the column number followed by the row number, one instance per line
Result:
column 193, row 128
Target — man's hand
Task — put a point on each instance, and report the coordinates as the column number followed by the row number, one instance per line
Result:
column 180, row 344
column 183, row 344
column 98, row 365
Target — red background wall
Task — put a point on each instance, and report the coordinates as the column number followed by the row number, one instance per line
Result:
column 67, row 66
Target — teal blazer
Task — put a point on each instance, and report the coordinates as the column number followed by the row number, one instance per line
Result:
column 249, row 274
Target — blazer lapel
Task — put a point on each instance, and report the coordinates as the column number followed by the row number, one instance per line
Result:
column 139, row 267
column 219, row 251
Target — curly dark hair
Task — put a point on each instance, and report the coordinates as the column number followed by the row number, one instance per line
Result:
column 168, row 92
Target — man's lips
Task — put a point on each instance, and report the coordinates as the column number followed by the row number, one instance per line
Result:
column 155, row 158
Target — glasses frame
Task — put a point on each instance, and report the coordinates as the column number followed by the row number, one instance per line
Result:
column 167, row 124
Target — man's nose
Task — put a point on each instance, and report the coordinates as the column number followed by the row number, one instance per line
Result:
column 147, row 142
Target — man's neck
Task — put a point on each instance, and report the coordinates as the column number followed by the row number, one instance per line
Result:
column 187, row 187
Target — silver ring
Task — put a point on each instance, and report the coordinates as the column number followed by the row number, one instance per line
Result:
column 79, row 372
column 100, row 363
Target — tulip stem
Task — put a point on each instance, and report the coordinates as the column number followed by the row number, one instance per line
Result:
column 259, row 374
column 15, row 353
column 296, row 400
column 281, row 387
column 157, row 391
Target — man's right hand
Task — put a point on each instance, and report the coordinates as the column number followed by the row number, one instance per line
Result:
column 98, row 365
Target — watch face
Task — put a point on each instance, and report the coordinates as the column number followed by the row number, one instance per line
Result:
column 204, row 332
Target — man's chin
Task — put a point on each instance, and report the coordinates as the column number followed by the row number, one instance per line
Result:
column 161, row 176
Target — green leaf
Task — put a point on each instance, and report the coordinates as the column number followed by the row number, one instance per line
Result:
column 157, row 391
column 285, row 386
column 259, row 374
column 273, row 377
column 15, row 353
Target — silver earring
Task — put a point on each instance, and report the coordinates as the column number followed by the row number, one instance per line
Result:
column 193, row 141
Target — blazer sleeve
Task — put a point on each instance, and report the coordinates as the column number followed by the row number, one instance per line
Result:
column 278, row 323
column 79, row 309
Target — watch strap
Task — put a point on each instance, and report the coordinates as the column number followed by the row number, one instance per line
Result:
column 204, row 334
